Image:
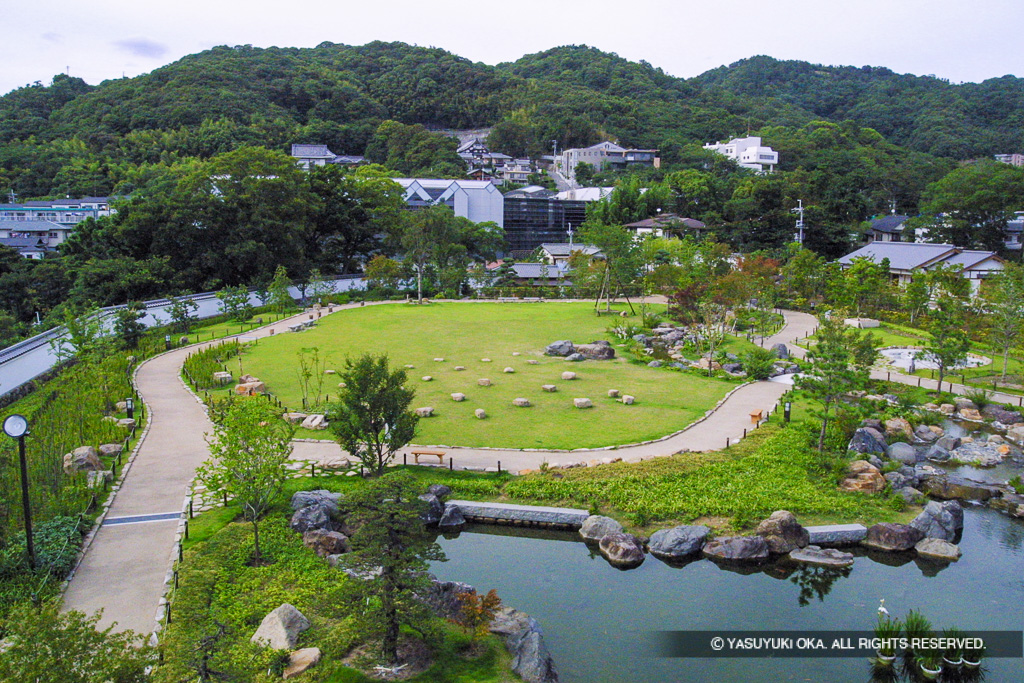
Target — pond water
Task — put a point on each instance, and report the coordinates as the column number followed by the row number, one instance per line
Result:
column 597, row 619
column 922, row 360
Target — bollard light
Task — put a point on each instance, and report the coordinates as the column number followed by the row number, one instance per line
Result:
column 16, row 427
column 789, row 407
column 129, row 404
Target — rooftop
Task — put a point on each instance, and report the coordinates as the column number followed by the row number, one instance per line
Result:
column 908, row 256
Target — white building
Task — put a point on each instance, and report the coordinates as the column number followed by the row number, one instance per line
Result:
column 747, row 152
column 605, row 155
column 477, row 200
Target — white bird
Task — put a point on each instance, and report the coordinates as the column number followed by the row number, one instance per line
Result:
column 881, row 608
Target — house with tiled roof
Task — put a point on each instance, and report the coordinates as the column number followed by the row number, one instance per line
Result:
column 664, row 225
column 308, row 156
column 907, row 259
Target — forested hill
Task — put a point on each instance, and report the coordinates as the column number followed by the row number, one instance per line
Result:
column 72, row 138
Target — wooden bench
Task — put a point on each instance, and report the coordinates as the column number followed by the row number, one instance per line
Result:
column 416, row 455
column 756, row 416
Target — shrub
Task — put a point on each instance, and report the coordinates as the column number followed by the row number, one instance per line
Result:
column 759, row 363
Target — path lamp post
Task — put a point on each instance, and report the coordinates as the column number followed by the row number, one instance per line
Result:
column 16, row 427
column 129, row 406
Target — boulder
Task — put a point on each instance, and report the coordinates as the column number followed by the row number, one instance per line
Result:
column 485, row 360
column 294, row 418
column 480, row 413
column 550, row 388
column 1010, row 503
column 780, row 351
column 82, row 459
column 910, row 495
column 126, row 423
column 524, row 640
column 328, row 499
column 964, row 403
column 458, row 397
column 434, row 509
column 483, row 382
column 782, row 532
column 654, row 364
column 937, row 453
column 937, row 549
column 324, row 542
column 281, row 628
column 97, row 479
column 301, row 660
column 862, row 476
column 568, row 376
column 924, row 433
column 867, row 440
column 314, row 516
column 705, row 363
column 943, row 520
column 425, row 411
column 521, row 402
column 596, row 527
column 439, row 360
column 872, row 422
column 245, row 379
column 459, row 368
column 892, row 537
column 678, row 542
column 613, row 393
column 1016, row 435
column 971, row 415
column 896, row 480
column 108, row 449
column 628, row 400
column 452, row 518
column 947, row 408
column 950, row 487
column 950, row 443
column 828, row 557
column 563, row 348
column 898, row 427
column 250, row 388
column 440, row 490
column 315, row 422
column 737, row 549
column 902, row 452
column 509, row 370
column 998, row 413
column 582, row 403
column 575, row 357
column 532, row 361
column 596, row 351
column 427, row 378
column 622, row 550
column 121, row 406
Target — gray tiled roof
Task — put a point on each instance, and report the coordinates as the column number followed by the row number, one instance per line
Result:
column 890, row 224
column 902, row 255
column 311, row 151
column 33, row 225
column 533, row 271
column 969, row 258
column 565, row 249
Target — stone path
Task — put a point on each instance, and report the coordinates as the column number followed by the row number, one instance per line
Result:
column 124, row 569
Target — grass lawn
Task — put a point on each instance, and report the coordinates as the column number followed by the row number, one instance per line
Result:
column 463, row 334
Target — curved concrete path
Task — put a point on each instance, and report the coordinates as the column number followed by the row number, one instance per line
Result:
column 124, row 568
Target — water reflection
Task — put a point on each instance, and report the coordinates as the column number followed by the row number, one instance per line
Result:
column 816, row 582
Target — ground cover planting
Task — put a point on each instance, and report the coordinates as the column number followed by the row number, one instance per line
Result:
column 509, row 335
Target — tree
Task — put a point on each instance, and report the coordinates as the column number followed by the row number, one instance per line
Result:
column 584, row 173
column 371, row 419
column 949, row 340
column 181, row 311
column 839, row 365
column 234, row 303
column 1007, row 311
column 84, row 335
column 127, row 324
column 383, row 272
column 278, row 293
column 392, row 546
column 476, row 612
column 44, row 645
column 318, row 286
column 622, row 257
column 249, row 454
column 973, row 204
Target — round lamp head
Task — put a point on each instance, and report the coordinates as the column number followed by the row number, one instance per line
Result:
column 15, row 426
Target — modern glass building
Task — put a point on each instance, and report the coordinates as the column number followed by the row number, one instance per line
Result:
column 532, row 221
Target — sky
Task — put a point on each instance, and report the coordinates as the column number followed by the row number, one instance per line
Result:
column 102, row 39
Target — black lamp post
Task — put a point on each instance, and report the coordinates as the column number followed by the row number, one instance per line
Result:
column 16, row 427
column 129, row 406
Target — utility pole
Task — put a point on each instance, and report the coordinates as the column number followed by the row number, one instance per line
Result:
column 570, row 238
column 799, row 211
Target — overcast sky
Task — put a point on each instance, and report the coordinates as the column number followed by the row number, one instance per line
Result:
column 962, row 40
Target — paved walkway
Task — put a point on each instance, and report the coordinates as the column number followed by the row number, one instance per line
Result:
column 124, row 569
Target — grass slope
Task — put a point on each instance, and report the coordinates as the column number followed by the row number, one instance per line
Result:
column 463, row 334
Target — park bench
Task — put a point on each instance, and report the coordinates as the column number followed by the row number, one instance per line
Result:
column 426, row 452
column 756, row 416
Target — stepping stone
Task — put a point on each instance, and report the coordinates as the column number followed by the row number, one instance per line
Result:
column 410, row 367
column 532, row 361
column 427, row 378
column 480, row 413
column 458, row 397
column 485, row 360
column 459, row 368
column 568, row 375
column 425, row 411
column 520, row 403
column 628, row 400
column 484, row 382
column 439, row 360
column 550, row 388
column 613, row 393
column 509, row 370
column 582, row 403
column 516, row 353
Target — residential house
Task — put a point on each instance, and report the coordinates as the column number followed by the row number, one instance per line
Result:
column 477, row 200
column 667, row 225
column 748, row 152
column 36, row 227
column 888, row 229
column 308, row 156
column 558, row 253
column 1015, row 232
column 909, row 258
column 1012, row 159
column 606, row 155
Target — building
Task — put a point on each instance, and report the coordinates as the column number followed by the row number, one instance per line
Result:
column 606, row 155
column 534, row 216
column 318, row 155
column 908, row 258
column 558, row 253
column 1012, row 159
column 36, row 228
column 667, row 225
column 1015, row 232
column 888, row 229
column 894, row 229
column 585, row 194
column 748, row 152
column 478, row 200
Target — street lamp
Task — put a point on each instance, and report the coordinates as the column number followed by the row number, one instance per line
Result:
column 129, row 406
column 16, row 427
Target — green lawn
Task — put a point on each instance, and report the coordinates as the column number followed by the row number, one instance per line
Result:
column 465, row 333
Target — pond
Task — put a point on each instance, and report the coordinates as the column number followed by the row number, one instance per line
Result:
column 597, row 619
column 922, row 360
